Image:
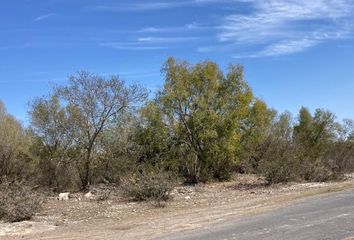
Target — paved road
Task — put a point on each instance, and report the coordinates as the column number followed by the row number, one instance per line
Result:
column 327, row 217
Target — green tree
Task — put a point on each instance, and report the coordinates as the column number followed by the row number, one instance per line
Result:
column 15, row 158
column 313, row 136
column 54, row 142
column 278, row 162
column 205, row 109
column 153, row 136
column 256, row 128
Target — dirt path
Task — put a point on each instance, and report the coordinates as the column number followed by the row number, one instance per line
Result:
column 328, row 217
column 192, row 207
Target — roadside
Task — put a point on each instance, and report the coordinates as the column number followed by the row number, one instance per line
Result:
column 192, row 207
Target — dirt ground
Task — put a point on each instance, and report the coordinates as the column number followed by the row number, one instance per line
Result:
column 192, row 207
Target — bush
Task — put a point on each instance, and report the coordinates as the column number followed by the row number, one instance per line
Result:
column 279, row 171
column 155, row 185
column 18, row 202
column 318, row 172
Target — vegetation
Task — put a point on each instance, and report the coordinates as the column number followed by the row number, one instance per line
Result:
column 203, row 125
column 150, row 184
column 18, row 202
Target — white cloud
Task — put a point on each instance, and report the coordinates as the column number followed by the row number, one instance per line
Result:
column 149, row 43
column 274, row 27
column 282, row 48
column 194, row 26
column 286, row 27
column 130, row 46
column 43, row 17
column 138, row 6
column 161, row 5
column 166, row 39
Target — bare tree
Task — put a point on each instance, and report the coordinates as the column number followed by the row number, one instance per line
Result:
column 96, row 102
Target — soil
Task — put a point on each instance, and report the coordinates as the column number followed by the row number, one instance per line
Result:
column 192, row 207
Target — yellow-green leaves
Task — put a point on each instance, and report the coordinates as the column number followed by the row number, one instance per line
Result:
column 207, row 109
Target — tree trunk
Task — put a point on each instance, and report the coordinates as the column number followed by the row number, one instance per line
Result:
column 85, row 181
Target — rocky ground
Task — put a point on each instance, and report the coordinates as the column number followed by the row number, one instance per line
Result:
column 102, row 216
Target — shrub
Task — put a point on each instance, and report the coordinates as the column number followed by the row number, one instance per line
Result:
column 18, row 202
column 155, row 185
column 279, row 171
column 318, row 172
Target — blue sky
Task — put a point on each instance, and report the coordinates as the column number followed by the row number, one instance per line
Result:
column 295, row 52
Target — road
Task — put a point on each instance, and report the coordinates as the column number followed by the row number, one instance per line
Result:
column 324, row 217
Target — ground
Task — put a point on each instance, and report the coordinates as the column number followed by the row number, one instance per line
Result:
column 192, row 207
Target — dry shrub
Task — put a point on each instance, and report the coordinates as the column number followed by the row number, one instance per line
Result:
column 318, row 172
column 279, row 171
column 154, row 185
column 18, row 202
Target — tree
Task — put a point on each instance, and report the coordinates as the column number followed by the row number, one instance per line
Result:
column 278, row 162
column 205, row 109
column 313, row 136
column 340, row 155
column 153, row 135
column 97, row 102
column 118, row 149
column 54, row 140
column 14, row 147
column 256, row 128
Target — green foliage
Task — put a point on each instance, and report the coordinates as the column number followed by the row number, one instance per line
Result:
column 314, row 152
column 97, row 103
column 119, row 151
column 71, row 122
column 15, row 141
column 205, row 109
column 277, row 162
column 52, row 127
column 256, row 128
column 313, row 136
column 153, row 137
column 201, row 126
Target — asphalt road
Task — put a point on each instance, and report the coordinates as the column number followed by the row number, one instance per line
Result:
column 323, row 217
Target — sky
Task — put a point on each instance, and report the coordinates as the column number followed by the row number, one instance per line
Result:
column 295, row 52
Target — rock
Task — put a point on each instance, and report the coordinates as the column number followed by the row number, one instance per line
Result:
column 89, row 195
column 187, row 197
column 64, row 196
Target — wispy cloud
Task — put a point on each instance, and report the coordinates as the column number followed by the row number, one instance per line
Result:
column 161, row 5
column 149, row 43
column 187, row 27
column 136, row 6
column 43, row 17
column 130, row 46
column 166, row 39
column 267, row 28
column 286, row 27
column 281, row 48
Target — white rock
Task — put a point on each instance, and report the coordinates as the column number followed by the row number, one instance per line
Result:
column 89, row 195
column 64, row 196
column 187, row 197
